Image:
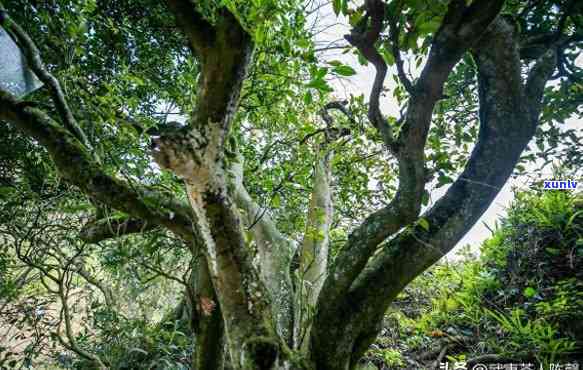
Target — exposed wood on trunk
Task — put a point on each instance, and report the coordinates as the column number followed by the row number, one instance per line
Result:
column 207, row 322
column 197, row 155
column 315, row 248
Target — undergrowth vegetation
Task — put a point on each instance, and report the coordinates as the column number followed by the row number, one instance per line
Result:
column 520, row 301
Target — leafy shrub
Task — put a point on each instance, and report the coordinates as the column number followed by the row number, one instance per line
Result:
column 521, row 299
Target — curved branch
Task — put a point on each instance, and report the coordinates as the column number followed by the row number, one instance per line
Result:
column 396, row 51
column 96, row 231
column 507, row 123
column 71, row 342
column 78, row 167
column 364, row 38
column 450, row 42
column 106, row 291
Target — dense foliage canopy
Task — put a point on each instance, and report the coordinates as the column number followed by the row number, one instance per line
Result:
column 191, row 189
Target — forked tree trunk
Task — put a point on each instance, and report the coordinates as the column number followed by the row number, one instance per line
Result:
column 255, row 300
column 254, row 312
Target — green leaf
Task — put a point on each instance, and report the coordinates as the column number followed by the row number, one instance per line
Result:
column 423, row 223
column 362, row 60
column 138, row 350
column 337, row 5
column 529, row 292
column 320, row 73
column 344, row 70
column 428, row 27
column 425, row 199
column 276, row 201
column 553, row 251
column 345, row 7
column 443, row 180
column 320, row 85
column 388, row 57
column 308, row 99
column 6, row 191
column 520, row 168
column 355, row 17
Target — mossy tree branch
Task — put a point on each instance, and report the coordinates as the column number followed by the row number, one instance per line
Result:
column 96, row 231
column 76, row 165
column 197, row 155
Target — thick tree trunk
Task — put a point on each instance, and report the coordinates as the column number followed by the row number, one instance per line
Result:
column 274, row 254
column 196, row 155
column 246, row 307
column 509, row 110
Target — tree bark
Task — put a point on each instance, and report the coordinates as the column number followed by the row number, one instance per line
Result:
column 314, row 250
column 207, row 322
column 274, row 253
column 508, row 118
column 247, row 307
column 197, row 155
column 79, row 168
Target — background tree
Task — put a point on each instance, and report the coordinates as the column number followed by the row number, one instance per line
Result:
column 283, row 281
